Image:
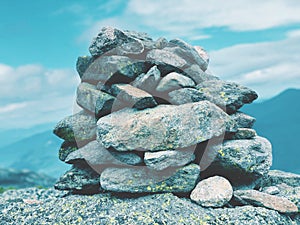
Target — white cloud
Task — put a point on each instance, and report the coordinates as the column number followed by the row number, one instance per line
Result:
column 32, row 94
column 268, row 67
column 237, row 15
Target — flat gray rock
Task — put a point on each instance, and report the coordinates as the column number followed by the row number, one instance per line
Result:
column 164, row 127
column 185, row 95
column 227, row 95
column 79, row 178
column 243, row 120
column 93, row 100
column 212, row 192
column 289, row 192
column 133, row 97
column 115, row 41
column 173, row 81
column 139, row 180
column 243, row 133
column 167, row 57
column 79, row 127
column 148, row 81
column 170, row 158
column 95, row 154
column 256, row 198
column 198, row 75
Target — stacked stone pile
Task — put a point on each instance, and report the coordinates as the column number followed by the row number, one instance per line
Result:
column 153, row 120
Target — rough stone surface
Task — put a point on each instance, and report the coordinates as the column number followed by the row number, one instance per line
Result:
column 212, row 192
column 79, row 178
column 133, row 97
column 275, row 177
column 48, row 206
column 164, row 127
column 115, row 41
column 95, row 154
column 241, row 161
column 137, row 180
column 170, row 158
column 77, row 128
column 103, row 69
column 257, row 198
column 148, row 81
column 173, row 81
column 196, row 74
column 201, row 51
column 167, row 57
column 83, row 62
column 243, row 120
column 93, row 100
column 185, row 95
column 66, row 148
column 291, row 193
column 272, row 190
column 189, row 52
column 229, row 96
column 243, row 133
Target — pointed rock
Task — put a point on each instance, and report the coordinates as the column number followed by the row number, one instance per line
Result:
column 79, row 178
column 139, row 180
column 149, row 81
column 212, row 192
column 132, row 96
column 164, row 127
column 115, row 41
column 257, row 198
column 227, row 95
column 79, row 127
column 83, row 62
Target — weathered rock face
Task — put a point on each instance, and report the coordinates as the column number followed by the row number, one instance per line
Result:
column 140, row 180
column 79, row 127
column 212, row 192
column 164, row 127
column 257, row 198
column 152, row 116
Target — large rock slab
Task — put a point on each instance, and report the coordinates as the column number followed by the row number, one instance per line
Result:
column 212, row 192
column 164, row 127
column 139, row 180
column 79, row 179
column 115, row 41
column 241, row 161
column 103, row 68
column 79, row 127
column 275, row 177
column 173, row 81
column 169, row 158
column 228, row 95
column 95, row 154
column 56, row 207
column 132, row 96
column 257, row 198
column 289, row 192
column 93, row 100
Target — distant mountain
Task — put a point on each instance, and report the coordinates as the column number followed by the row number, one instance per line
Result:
column 23, row 178
column 38, row 153
column 278, row 119
column 9, row 136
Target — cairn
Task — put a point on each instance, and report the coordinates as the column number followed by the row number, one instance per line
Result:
column 153, row 120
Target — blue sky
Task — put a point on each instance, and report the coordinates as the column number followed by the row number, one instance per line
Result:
column 255, row 43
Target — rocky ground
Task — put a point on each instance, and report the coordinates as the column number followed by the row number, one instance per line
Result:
column 41, row 206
